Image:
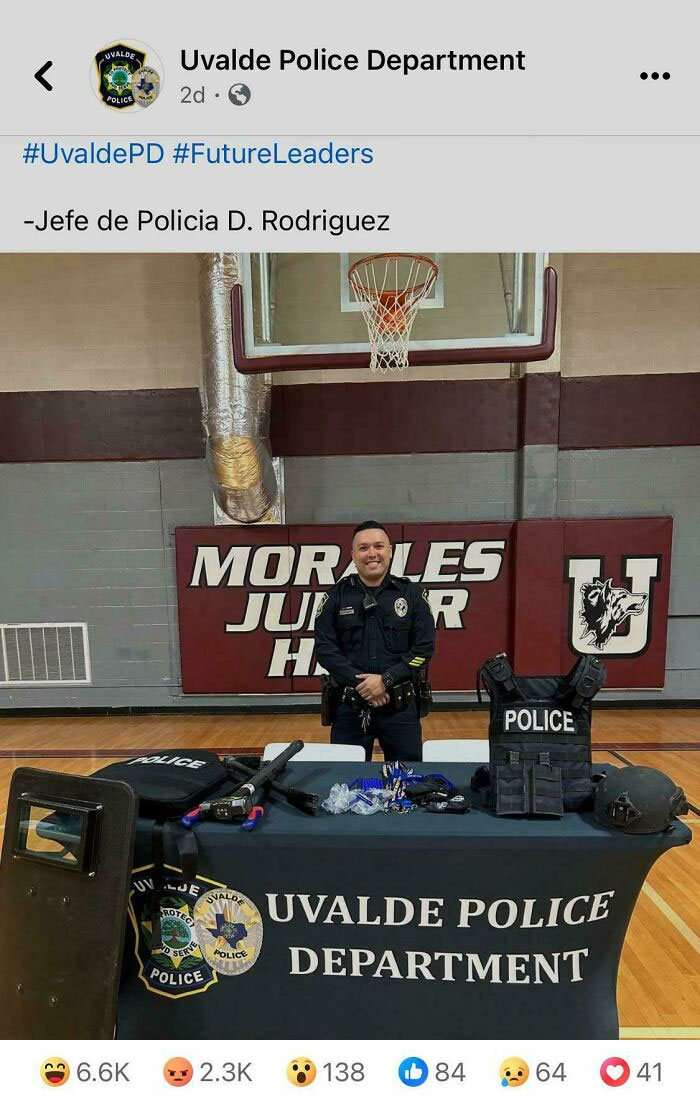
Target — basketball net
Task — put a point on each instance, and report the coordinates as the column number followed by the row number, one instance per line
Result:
column 390, row 289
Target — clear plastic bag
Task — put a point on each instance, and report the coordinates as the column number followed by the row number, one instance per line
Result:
column 339, row 798
column 367, row 802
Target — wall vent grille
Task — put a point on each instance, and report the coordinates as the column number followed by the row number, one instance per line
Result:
column 42, row 654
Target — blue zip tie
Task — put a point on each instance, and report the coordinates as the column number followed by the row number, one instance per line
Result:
column 367, row 784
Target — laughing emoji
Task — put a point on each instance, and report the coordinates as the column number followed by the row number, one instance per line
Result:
column 54, row 1072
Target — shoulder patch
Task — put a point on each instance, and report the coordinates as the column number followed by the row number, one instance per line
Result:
column 322, row 602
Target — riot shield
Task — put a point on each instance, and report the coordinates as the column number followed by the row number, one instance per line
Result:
column 64, row 883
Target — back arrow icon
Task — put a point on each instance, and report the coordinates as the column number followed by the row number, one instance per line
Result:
column 39, row 75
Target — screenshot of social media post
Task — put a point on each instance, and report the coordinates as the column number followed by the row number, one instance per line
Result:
column 349, row 567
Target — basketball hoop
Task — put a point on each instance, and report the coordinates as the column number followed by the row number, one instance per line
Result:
column 390, row 288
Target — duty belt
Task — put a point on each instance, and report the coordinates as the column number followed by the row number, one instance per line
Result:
column 401, row 695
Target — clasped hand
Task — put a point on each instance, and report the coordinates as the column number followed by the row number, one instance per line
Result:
column 372, row 688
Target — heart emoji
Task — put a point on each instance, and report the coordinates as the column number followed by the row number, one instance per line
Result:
column 614, row 1072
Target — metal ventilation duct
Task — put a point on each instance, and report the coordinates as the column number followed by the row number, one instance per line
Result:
column 235, row 407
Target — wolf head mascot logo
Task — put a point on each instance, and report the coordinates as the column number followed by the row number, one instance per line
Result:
column 604, row 608
column 603, row 617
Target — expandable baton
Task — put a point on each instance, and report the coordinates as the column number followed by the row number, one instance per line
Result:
column 273, row 767
column 239, row 804
column 299, row 799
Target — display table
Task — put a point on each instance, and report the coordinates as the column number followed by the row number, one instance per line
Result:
column 391, row 926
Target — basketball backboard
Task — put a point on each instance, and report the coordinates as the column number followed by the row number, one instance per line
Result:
column 296, row 310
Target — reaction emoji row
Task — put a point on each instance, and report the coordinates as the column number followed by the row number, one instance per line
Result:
column 413, row 1071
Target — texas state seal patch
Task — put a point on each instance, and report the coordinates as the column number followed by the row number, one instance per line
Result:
column 206, row 928
column 229, row 931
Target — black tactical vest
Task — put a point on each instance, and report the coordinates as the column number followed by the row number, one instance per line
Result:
column 540, row 737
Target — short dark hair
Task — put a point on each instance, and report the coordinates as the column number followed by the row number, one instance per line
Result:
column 371, row 524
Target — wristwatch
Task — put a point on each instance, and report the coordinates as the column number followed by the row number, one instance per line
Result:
column 388, row 680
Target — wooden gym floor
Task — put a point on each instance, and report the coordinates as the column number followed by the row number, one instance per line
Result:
column 659, row 979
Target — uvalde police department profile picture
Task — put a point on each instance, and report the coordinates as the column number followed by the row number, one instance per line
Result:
column 126, row 74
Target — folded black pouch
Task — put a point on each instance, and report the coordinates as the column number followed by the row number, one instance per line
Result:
column 436, row 794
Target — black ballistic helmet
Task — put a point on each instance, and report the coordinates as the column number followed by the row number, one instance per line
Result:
column 641, row 800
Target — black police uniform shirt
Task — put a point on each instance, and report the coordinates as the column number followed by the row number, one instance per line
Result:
column 397, row 637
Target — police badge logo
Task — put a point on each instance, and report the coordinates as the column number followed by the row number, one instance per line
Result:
column 401, row 607
column 229, row 931
column 179, row 967
column 145, row 86
column 116, row 68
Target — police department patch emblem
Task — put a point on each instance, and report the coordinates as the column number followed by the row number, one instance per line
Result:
column 180, row 967
column 116, row 67
column 145, row 86
column 401, row 607
column 229, row 931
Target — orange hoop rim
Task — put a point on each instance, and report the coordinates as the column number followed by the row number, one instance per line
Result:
column 373, row 292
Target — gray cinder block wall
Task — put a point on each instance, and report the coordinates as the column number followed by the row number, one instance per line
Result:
column 93, row 542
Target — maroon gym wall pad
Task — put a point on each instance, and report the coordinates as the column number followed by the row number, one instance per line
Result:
column 437, row 417
column 542, row 590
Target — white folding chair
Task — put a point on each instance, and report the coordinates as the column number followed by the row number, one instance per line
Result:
column 462, row 751
column 319, row 751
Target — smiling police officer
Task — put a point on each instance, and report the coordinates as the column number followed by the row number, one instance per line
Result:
column 375, row 635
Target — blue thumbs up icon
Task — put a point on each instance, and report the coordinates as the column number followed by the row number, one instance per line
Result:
column 413, row 1072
